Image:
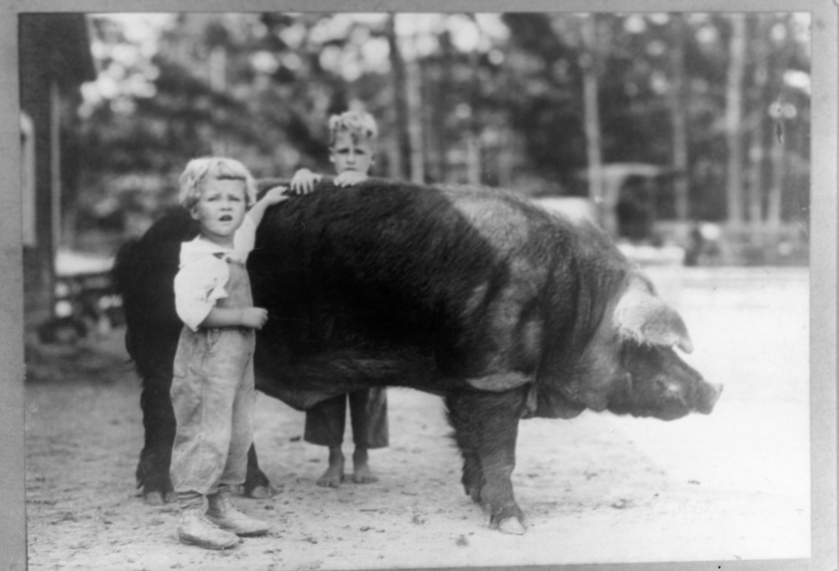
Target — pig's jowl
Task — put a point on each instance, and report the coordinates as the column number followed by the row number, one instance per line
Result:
column 478, row 295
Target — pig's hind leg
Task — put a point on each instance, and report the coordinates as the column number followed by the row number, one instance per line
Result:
column 159, row 424
column 257, row 485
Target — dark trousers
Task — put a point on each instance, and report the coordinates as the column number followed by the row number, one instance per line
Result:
column 368, row 415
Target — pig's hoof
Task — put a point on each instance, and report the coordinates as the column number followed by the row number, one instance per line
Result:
column 511, row 525
column 261, row 492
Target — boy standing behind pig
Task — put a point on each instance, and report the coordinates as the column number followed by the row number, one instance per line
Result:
column 352, row 149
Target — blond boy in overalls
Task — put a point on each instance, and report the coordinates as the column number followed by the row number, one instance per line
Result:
column 213, row 385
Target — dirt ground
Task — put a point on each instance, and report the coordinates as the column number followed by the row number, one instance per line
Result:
column 724, row 487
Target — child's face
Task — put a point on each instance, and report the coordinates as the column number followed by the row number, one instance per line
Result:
column 351, row 154
column 221, row 209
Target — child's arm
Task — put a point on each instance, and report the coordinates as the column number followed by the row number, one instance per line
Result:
column 252, row 317
column 303, row 181
column 197, row 289
column 273, row 196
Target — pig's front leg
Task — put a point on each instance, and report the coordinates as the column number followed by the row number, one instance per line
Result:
column 486, row 427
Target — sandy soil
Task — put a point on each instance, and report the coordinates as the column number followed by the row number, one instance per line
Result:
column 729, row 486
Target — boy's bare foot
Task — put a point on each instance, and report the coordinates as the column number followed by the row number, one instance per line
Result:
column 334, row 474
column 362, row 474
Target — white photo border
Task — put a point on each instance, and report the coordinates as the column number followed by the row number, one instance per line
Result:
column 823, row 269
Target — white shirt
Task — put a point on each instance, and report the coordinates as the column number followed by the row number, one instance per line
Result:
column 203, row 272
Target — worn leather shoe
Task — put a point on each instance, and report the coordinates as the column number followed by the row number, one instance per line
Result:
column 196, row 529
column 222, row 513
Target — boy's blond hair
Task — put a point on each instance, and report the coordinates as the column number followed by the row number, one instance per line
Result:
column 359, row 124
column 220, row 168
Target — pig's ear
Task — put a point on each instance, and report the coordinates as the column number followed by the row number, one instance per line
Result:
column 643, row 317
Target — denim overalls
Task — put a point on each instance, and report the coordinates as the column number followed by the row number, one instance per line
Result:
column 213, row 398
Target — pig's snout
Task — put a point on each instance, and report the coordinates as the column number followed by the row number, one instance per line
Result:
column 709, row 394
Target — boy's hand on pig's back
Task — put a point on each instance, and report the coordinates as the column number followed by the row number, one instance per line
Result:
column 303, row 181
column 349, row 178
column 254, row 317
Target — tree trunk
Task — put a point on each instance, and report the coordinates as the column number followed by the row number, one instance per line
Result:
column 437, row 105
column 734, row 119
column 778, row 158
column 778, row 151
column 756, row 159
column 473, row 138
column 413, row 100
column 507, row 153
column 757, row 154
column 591, row 112
column 473, row 159
column 399, row 151
column 678, row 99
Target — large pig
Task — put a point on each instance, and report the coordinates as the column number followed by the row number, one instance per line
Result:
column 506, row 310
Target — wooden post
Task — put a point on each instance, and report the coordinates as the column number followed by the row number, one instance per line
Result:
column 55, row 173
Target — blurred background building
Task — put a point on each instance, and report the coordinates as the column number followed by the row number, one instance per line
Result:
column 55, row 60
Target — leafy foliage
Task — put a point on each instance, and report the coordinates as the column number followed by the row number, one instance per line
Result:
column 260, row 87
